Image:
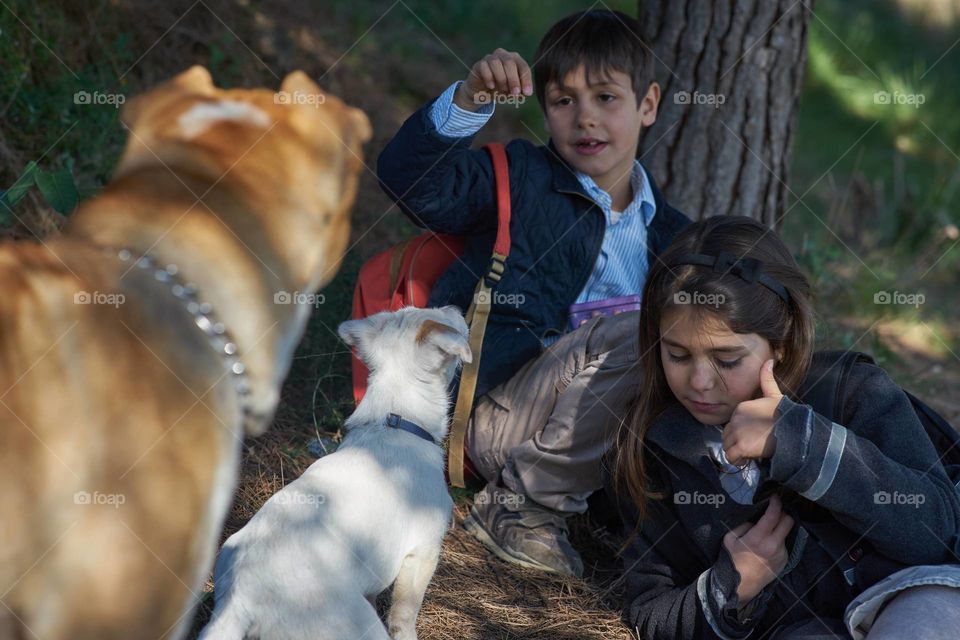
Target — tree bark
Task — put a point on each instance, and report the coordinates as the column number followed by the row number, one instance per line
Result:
column 730, row 73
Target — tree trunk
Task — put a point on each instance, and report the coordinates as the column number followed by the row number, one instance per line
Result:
column 730, row 75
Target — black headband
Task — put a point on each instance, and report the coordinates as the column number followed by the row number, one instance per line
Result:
column 747, row 269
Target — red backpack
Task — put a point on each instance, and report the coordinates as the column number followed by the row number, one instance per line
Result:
column 405, row 274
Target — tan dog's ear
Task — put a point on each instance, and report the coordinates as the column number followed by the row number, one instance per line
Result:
column 197, row 79
column 360, row 125
column 300, row 82
column 445, row 338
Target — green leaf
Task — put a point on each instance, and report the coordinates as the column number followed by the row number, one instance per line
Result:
column 59, row 190
column 19, row 189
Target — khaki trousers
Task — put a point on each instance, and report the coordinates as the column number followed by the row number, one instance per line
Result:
column 543, row 432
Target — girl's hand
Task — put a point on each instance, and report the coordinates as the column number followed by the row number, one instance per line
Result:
column 499, row 72
column 759, row 551
column 749, row 433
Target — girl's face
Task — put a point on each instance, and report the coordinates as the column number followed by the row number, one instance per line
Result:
column 709, row 368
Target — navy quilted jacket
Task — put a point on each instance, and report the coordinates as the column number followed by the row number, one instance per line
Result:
column 442, row 184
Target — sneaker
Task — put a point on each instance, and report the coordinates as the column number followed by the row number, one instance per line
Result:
column 518, row 530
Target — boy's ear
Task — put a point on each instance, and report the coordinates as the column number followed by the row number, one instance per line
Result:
column 649, row 105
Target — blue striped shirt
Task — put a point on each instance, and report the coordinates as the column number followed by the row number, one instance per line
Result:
column 621, row 267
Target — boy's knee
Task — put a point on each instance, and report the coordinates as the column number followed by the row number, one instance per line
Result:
column 615, row 333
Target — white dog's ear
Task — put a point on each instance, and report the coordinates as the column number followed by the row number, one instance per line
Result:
column 445, row 338
column 353, row 331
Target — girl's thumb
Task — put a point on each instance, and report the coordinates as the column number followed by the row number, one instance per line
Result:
column 768, row 383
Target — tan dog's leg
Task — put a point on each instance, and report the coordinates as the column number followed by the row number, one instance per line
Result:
column 408, row 591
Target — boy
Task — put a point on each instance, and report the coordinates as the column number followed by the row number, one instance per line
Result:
column 587, row 220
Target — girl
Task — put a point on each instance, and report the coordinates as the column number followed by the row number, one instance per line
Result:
column 751, row 513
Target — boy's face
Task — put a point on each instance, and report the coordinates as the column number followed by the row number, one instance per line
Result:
column 709, row 368
column 596, row 127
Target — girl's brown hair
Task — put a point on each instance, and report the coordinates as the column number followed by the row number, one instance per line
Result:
column 744, row 307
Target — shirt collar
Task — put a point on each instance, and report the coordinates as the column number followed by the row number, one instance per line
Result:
column 642, row 193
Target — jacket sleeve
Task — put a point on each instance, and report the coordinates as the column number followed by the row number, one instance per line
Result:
column 439, row 182
column 879, row 475
column 660, row 604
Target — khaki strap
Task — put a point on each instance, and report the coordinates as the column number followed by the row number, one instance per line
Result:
column 477, row 318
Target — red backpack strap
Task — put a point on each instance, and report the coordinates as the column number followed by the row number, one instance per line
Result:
column 477, row 317
column 501, row 247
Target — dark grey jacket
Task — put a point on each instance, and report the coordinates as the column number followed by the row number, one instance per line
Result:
column 869, row 497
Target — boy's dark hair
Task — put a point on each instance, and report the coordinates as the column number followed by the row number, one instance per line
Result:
column 602, row 41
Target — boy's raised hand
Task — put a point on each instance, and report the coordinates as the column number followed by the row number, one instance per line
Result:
column 749, row 433
column 759, row 551
column 499, row 72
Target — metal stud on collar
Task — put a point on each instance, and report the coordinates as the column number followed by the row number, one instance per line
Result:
column 203, row 317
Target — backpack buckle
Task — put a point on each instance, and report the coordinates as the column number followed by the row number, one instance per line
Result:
column 495, row 270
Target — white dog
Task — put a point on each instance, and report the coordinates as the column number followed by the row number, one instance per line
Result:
column 312, row 561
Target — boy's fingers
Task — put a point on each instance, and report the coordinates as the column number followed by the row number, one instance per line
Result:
column 526, row 78
column 513, row 75
column 499, row 75
column 485, row 73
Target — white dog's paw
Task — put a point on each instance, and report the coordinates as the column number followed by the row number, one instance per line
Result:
column 404, row 631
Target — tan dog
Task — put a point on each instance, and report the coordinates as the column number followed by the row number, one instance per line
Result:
column 125, row 392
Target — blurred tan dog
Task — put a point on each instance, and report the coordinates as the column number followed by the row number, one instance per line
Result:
column 138, row 348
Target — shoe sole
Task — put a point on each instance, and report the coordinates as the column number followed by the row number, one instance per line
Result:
column 478, row 531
